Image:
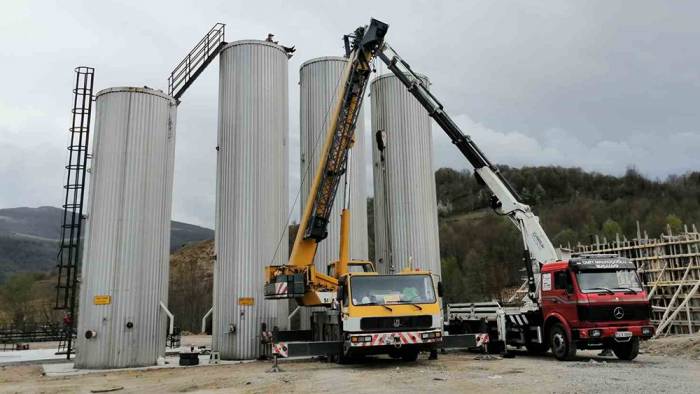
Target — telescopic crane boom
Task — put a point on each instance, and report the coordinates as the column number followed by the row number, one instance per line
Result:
column 299, row 278
column 538, row 249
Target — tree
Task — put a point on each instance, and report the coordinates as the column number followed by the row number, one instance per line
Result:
column 675, row 223
column 16, row 295
column 610, row 229
column 565, row 238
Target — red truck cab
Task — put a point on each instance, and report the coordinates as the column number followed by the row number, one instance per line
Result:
column 594, row 302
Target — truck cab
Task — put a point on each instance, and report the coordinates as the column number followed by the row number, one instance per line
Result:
column 395, row 314
column 594, row 302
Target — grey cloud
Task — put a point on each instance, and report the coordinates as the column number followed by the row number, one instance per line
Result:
column 614, row 82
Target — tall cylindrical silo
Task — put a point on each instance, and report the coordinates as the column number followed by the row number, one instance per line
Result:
column 251, row 193
column 405, row 204
column 126, row 257
column 318, row 80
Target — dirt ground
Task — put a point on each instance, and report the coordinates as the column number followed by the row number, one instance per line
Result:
column 684, row 346
column 454, row 372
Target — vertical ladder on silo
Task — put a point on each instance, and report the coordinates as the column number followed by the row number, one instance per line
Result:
column 71, row 229
column 196, row 61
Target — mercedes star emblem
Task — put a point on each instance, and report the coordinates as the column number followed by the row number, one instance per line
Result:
column 619, row 313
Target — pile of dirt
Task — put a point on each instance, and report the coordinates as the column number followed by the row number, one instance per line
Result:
column 201, row 253
column 684, row 346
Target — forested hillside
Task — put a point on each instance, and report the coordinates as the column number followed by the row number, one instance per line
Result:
column 29, row 239
column 481, row 252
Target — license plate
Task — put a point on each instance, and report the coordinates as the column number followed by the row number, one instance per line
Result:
column 623, row 334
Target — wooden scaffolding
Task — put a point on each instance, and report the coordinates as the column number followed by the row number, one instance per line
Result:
column 669, row 267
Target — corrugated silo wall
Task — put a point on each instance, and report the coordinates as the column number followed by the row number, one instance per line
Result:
column 251, row 196
column 405, row 204
column 318, row 82
column 126, row 256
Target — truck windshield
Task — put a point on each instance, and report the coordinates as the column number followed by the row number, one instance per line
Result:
column 608, row 280
column 392, row 289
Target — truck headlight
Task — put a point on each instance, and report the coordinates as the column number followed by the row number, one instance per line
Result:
column 594, row 333
column 647, row 331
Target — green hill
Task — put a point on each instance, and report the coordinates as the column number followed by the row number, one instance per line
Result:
column 481, row 253
column 29, row 239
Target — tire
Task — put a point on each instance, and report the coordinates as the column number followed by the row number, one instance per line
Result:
column 627, row 350
column 410, row 355
column 496, row 347
column 562, row 346
column 344, row 357
column 537, row 349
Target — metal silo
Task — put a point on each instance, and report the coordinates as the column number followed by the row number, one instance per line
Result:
column 318, row 84
column 251, row 196
column 405, row 205
column 125, row 262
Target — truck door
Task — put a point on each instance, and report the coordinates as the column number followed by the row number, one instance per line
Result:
column 558, row 294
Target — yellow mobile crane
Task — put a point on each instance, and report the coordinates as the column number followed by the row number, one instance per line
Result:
column 364, row 312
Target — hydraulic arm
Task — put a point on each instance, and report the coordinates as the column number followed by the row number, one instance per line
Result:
column 538, row 249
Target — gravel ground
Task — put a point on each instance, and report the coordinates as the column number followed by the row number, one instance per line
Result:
column 454, row 372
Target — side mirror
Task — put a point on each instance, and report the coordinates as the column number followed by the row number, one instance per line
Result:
column 340, row 297
column 569, row 288
column 569, row 283
column 441, row 290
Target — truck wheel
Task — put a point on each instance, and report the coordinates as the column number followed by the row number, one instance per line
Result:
column 537, row 349
column 496, row 347
column 627, row 350
column 409, row 355
column 562, row 346
column 344, row 357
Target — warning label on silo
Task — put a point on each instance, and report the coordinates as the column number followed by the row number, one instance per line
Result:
column 102, row 300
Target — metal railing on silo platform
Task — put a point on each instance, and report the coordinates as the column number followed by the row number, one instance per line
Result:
column 196, row 61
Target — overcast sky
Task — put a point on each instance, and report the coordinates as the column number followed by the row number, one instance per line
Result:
column 599, row 85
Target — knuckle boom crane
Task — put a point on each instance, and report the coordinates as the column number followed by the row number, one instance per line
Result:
column 538, row 249
column 567, row 307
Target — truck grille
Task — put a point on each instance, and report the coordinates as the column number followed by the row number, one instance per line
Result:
column 396, row 323
column 607, row 312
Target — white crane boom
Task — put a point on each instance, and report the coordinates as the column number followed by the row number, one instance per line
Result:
column 538, row 249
